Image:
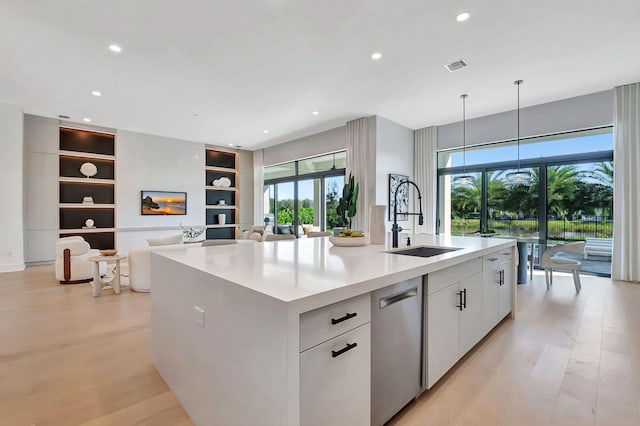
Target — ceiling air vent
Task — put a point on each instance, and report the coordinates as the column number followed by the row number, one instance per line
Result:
column 64, row 117
column 455, row 66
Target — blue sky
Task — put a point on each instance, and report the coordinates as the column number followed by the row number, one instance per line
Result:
column 582, row 144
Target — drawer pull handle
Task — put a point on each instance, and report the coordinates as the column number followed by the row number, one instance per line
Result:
column 492, row 259
column 459, row 293
column 343, row 350
column 344, row 318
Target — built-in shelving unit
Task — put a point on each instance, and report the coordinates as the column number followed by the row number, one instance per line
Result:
column 219, row 164
column 78, row 146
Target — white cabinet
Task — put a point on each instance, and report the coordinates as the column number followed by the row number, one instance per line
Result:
column 471, row 331
column 506, row 289
column 443, row 323
column 335, row 380
column 453, row 317
column 497, row 288
column 335, row 363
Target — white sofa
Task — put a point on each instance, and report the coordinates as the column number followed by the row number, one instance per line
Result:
column 598, row 247
column 140, row 262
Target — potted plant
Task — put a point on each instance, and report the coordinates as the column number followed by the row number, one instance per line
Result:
column 347, row 204
column 191, row 233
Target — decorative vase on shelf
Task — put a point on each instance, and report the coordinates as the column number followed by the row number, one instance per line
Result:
column 222, row 218
column 376, row 224
column 89, row 223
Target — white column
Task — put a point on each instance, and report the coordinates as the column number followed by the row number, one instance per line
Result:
column 11, row 181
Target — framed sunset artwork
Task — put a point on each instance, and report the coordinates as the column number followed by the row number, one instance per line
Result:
column 163, row 203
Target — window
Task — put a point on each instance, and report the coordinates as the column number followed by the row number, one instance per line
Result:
column 569, row 198
column 303, row 195
column 575, row 168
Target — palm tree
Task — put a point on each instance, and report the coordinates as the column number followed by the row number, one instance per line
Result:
column 561, row 186
column 603, row 173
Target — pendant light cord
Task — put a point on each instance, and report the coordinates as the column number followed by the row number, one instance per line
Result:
column 518, row 83
column 464, row 135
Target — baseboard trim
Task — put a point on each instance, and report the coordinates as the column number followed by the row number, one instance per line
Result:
column 16, row 267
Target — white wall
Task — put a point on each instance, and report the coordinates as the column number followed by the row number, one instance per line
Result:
column 41, row 136
column 245, row 187
column 11, row 176
column 155, row 163
column 309, row 146
column 394, row 154
column 582, row 112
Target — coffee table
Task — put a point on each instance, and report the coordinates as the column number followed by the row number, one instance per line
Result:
column 98, row 282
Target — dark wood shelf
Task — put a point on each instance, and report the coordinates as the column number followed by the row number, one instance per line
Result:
column 222, row 159
column 213, row 197
column 83, row 146
column 86, row 141
column 212, row 216
column 74, row 192
column 97, row 240
column 227, row 233
column 70, row 167
column 75, row 218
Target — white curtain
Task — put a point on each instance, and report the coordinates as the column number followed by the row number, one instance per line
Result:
column 626, row 182
column 361, row 162
column 258, row 187
column 425, row 171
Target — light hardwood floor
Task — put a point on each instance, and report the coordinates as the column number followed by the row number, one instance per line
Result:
column 67, row 358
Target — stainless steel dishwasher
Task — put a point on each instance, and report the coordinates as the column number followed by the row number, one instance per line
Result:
column 396, row 343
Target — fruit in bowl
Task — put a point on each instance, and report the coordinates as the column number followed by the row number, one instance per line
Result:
column 349, row 233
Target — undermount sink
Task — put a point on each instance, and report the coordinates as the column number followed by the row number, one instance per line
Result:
column 422, row 251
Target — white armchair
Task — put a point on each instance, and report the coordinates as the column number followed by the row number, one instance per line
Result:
column 550, row 261
column 72, row 266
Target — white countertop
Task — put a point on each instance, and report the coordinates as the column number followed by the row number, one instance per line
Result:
column 311, row 272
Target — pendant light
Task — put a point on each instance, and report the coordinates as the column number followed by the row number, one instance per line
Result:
column 519, row 177
column 464, row 179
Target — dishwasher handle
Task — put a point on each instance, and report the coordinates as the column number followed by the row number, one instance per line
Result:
column 395, row 298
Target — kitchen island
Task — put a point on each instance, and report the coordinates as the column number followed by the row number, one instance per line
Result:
column 247, row 334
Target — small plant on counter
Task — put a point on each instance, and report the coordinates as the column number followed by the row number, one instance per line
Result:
column 347, row 204
column 191, row 232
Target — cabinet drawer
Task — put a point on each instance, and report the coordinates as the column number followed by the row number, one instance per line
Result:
column 335, row 381
column 492, row 260
column 440, row 279
column 325, row 323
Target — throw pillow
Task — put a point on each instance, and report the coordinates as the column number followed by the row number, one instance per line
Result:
column 166, row 241
column 155, row 242
column 174, row 239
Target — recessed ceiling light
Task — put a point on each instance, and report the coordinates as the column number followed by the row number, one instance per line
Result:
column 86, row 120
column 115, row 48
column 461, row 17
column 96, row 93
column 375, row 56
column 265, row 131
column 315, row 113
column 230, row 144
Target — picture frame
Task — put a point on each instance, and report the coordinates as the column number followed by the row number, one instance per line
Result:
column 163, row 203
column 403, row 196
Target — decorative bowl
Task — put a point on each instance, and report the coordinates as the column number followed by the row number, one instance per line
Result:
column 109, row 252
column 349, row 241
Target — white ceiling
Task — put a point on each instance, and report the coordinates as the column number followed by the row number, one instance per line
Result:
column 249, row 65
